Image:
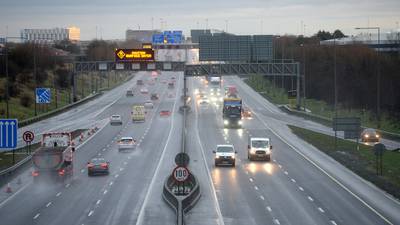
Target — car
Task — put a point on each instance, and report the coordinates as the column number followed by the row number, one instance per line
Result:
column 139, row 82
column 165, row 113
column 204, row 100
column 126, row 143
column 259, row 148
column 116, row 119
column 149, row 104
column 225, row 155
column 246, row 113
column 98, row 166
column 154, row 96
column 370, row 135
column 129, row 92
column 144, row 91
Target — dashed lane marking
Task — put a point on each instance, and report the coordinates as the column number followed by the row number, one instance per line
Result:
column 255, row 187
column 105, row 192
column 276, row 221
column 321, row 210
column 58, row 194
column 90, row 213
column 98, row 201
column 293, row 180
column 286, row 172
column 251, row 179
column 67, row 185
column 311, row 199
column 111, row 183
column 48, row 204
column 36, row 216
column 269, row 209
column 301, row 189
column 262, row 197
column 333, row 222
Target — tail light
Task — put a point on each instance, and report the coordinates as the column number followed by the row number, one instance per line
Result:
column 104, row 165
column 35, row 173
column 61, row 172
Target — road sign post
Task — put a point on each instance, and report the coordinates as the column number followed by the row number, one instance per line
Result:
column 379, row 149
column 28, row 137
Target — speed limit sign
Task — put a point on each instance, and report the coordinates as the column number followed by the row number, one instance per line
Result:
column 180, row 174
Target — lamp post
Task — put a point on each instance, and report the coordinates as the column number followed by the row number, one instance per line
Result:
column 378, row 77
column 335, row 85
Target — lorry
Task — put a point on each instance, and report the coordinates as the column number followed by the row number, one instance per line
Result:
column 53, row 161
column 259, row 148
column 232, row 112
column 215, row 85
column 138, row 113
column 231, row 91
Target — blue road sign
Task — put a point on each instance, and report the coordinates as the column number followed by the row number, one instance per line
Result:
column 8, row 133
column 158, row 38
column 43, row 95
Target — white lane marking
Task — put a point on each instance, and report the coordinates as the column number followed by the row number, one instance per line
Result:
column 274, row 160
column 99, row 154
column 36, row 216
column 111, row 183
column 321, row 210
column 129, row 157
column 15, row 194
column 67, row 185
column 125, row 163
column 311, row 199
column 301, row 189
column 90, row 213
column 116, row 175
column 108, row 145
column 262, row 197
column 48, row 204
column 255, row 187
column 98, row 201
column 325, row 172
column 280, row 166
column 251, row 179
column 333, row 222
column 276, row 221
column 104, row 149
column 286, row 172
column 120, row 169
column 269, row 209
column 105, row 192
column 140, row 217
column 293, row 180
column 58, row 194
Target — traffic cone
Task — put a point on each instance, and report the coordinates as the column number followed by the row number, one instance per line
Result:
column 8, row 189
column 19, row 182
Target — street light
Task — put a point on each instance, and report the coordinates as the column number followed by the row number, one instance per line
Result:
column 378, row 82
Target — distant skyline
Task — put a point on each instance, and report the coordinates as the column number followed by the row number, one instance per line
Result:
column 111, row 19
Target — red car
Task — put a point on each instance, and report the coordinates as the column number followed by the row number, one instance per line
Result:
column 165, row 113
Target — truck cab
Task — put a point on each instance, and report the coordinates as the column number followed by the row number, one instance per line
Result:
column 225, row 155
column 259, row 148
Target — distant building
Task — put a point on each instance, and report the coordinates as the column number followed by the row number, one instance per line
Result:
column 388, row 42
column 144, row 36
column 195, row 34
column 49, row 36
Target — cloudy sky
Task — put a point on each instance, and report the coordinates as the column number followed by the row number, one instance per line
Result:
column 112, row 18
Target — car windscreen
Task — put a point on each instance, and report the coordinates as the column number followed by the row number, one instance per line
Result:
column 126, row 140
column 115, row 117
column 259, row 144
column 98, row 161
column 225, row 149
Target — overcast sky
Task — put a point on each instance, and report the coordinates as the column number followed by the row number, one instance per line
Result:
column 112, row 18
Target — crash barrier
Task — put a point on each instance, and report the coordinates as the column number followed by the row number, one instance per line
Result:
column 181, row 204
column 328, row 122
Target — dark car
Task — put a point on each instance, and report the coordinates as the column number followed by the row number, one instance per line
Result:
column 154, row 96
column 98, row 166
column 370, row 135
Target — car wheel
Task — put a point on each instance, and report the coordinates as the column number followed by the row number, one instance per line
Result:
column 268, row 158
column 233, row 163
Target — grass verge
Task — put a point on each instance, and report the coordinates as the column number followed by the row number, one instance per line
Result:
column 361, row 162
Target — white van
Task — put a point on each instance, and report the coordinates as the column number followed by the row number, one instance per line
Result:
column 259, row 148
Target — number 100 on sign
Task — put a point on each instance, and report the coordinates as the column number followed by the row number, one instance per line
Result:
column 181, row 174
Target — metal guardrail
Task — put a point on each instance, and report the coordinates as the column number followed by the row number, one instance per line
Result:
column 328, row 122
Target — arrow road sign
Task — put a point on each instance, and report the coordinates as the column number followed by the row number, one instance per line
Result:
column 8, row 133
column 43, row 95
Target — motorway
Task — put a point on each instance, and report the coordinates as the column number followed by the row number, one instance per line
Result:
column 300, row 185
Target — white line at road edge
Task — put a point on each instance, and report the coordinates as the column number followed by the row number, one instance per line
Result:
column 323, row 171
column 146, row 199
column 217, row 208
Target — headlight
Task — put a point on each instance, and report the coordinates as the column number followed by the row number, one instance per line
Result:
column 211, row 93
column 226, row 122
column 367, row 136
column 377, row 136
column 217, row 156
column 240, row 122
column 268, row 151
column 218, row 94
column 252, row 151
column 233, row 156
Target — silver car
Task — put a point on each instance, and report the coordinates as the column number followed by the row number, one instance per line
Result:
column 116, row 119
column 126, row 143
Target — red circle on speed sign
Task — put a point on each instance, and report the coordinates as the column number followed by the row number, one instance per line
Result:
column 28, row 136
column 180, row 174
